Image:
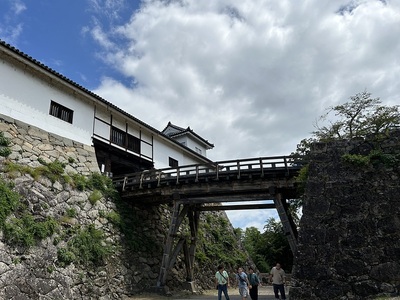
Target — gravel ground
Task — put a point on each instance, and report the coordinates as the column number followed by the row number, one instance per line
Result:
column 265, row 293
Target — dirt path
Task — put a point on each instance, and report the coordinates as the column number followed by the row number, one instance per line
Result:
column 264, row 291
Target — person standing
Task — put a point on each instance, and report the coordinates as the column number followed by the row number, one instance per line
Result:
column 243, row 283
column 254, row 283
column 277, row 277
column 222, row 282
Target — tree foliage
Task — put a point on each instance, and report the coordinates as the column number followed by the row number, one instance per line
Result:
column 357, row 118
column 269, row 247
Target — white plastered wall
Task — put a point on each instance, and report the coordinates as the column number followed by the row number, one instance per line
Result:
column 27, row 98
column 164, row 150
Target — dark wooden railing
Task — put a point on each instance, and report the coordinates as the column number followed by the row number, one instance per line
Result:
column 229, row 168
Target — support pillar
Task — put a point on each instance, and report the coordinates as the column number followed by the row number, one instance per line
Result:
column 178, row 214
column 174, row 244
column 289, row 227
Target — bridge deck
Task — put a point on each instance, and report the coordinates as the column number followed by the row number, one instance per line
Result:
column 224, row 181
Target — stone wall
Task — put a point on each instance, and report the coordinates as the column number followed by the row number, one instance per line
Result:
column 35, row 273
column 349, row 237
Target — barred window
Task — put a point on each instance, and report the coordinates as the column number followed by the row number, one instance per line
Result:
column 123, row 139
column 173, row 162
column 133, row 144
column 61, row 112
column 118, row 137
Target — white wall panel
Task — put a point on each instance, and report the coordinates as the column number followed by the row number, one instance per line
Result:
column 103, row 114
column 102, row 129
column 119, row 123
column 146, row 149
column 133, row 130
column 146, row 136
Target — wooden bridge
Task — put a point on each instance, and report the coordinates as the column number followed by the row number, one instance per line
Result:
column 202, row 187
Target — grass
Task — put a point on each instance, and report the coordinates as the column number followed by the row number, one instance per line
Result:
column 5, row 151
column 95, row 196
column 86, row 247
column 9, row 201
column 26, row 231
column 375, row 158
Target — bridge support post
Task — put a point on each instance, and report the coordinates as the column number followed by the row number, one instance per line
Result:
column 176, row 220
column 194, row 216
column 174, row 244
column 289, row 227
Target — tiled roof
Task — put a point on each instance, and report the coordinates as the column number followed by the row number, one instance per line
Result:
column 182, row 131
column 86, row 91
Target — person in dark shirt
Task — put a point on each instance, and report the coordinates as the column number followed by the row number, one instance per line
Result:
column 254, row 283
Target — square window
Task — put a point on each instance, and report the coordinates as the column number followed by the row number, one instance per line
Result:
column 61, row 112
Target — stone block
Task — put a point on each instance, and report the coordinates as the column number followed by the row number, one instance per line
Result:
column 36, row 133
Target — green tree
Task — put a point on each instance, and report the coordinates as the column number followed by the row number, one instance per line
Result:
column 277, row 246
column 269, row 247
column 359, row 117
column 253, row 242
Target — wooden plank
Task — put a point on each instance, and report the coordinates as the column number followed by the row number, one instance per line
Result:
column 289, row 228
column 237, row 207
column 194, row 218
column 168, row 255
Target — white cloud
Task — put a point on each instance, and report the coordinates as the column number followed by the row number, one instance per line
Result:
column 101, row 38
column 10, row 25
column 252, row 217
column 251, row 76
column 18, row 7
column 107, row 8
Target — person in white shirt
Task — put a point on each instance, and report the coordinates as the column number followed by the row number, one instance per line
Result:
column 277, row 277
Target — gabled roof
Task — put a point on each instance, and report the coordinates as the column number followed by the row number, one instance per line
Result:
column 19, row 55
column 173, row 131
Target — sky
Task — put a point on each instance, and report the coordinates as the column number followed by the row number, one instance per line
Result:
column 250, row 76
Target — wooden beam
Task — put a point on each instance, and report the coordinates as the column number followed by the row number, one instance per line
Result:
column 288, row 226
column 188, row 263
column 176, row 220
column 194, row 217
column 226, row 198
column 237, row 207
column 175, row 252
